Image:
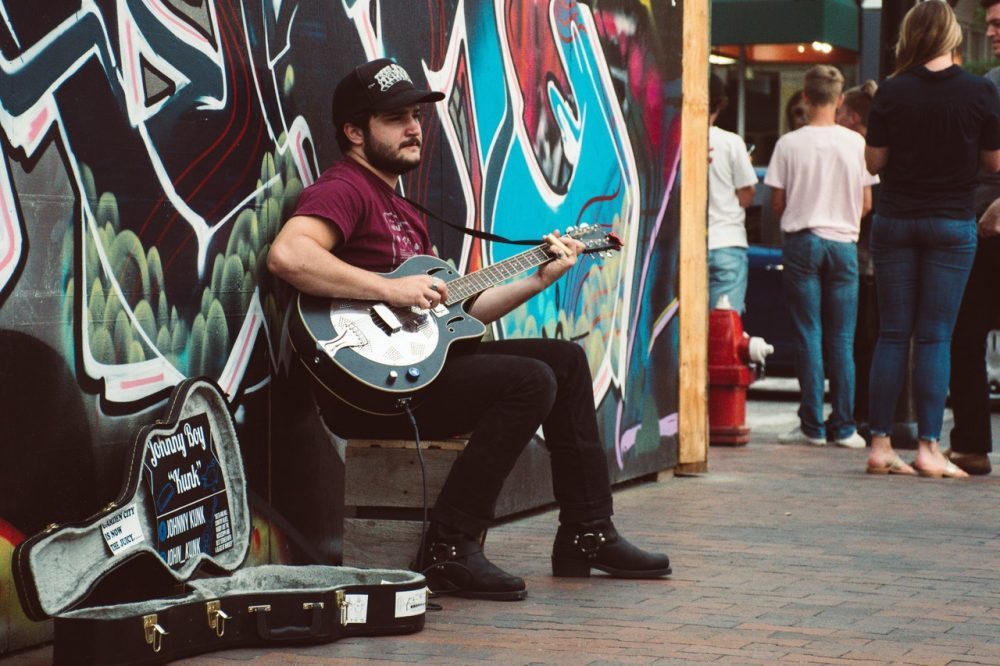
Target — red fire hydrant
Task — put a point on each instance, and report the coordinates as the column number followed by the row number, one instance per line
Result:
column 734, row 362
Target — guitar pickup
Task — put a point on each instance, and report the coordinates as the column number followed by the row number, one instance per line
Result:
column 384, row 318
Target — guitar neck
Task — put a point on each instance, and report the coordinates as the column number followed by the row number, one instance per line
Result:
column 462, row 288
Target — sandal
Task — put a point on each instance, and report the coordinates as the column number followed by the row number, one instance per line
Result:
column 950, row 471
column 897, row 466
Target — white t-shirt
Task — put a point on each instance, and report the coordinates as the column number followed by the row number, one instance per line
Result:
column 729, row 170
column 822, row 170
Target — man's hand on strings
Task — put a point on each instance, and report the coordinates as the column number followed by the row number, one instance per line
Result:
column 422, row 291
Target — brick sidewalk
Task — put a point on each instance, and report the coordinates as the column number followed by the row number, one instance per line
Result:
column 782, row 554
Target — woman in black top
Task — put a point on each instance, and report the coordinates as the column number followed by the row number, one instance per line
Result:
column 931, row 126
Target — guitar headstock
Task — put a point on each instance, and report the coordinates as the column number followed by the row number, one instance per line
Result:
column 595, row 239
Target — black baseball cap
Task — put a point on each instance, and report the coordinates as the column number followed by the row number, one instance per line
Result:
column 377, row 86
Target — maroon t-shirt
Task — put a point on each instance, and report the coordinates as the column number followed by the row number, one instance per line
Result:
column 381, row 230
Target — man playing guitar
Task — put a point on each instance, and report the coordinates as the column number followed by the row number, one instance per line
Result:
column 350, row 226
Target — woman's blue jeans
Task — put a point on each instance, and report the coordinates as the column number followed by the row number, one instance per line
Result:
column 821, row 287
column 921, row 267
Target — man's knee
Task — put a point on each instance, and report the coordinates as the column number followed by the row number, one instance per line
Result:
column 542, row 385
column 569, row 353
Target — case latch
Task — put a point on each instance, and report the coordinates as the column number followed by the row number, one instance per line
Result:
column 154, row 632
column 343, row 604
column 216, row 617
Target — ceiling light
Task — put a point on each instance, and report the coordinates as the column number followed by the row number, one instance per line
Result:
column 720, row 59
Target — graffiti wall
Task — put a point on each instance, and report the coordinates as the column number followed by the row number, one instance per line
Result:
column 154, row 147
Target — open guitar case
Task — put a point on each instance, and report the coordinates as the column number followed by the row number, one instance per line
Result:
column 156, row 574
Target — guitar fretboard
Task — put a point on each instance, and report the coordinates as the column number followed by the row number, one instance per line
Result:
column 462, row 288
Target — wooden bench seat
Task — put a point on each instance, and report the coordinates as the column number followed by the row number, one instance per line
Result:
column 383, row 494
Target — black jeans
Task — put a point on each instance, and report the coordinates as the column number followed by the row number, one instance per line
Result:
column 969, row 385
column 502, row 392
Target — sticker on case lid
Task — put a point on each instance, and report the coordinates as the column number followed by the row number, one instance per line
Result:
column 122, row 530
column 188, row 492
column 357, row 608
column 411, row 602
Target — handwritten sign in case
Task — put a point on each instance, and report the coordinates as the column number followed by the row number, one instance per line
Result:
column 189, row 495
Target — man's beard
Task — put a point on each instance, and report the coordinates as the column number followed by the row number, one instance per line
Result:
column 384, row 158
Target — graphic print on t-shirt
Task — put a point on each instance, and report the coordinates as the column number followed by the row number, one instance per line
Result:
column 405, row 242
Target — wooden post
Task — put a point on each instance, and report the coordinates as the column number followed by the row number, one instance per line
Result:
column 692, row 455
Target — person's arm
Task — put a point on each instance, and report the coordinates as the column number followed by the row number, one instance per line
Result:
column 301, row 256
column 989, row 136
column 744, row 176
column 990, row 160
column 866, row 200
column 777, row 201
column 876, row 159
column 497, row 301
column 989, row 223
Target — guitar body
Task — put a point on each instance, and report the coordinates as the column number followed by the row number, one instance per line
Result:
column 371, row 355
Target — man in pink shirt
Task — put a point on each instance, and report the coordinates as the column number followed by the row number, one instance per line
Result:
column 821, row 190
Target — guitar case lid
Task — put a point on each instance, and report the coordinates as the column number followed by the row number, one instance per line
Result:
column 182, row 510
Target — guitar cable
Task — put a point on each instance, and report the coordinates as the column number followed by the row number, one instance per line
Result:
column 405, row 404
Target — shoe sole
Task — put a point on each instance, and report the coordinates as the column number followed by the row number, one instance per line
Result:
column 650, row 573
column 946, row 473
column 578, row 569
column 888, row 469
column 434, row 585
column 517, row 595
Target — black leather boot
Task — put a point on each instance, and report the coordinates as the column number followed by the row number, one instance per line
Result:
column 580, row 547
column 453, row 563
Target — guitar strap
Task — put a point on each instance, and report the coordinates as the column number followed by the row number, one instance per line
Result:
column 475, row 233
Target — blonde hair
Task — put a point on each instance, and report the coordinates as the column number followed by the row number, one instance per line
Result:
column 859, row 99
column 823, row 85
column 928, row 30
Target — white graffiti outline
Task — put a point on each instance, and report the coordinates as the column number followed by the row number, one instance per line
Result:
column 128, row 382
